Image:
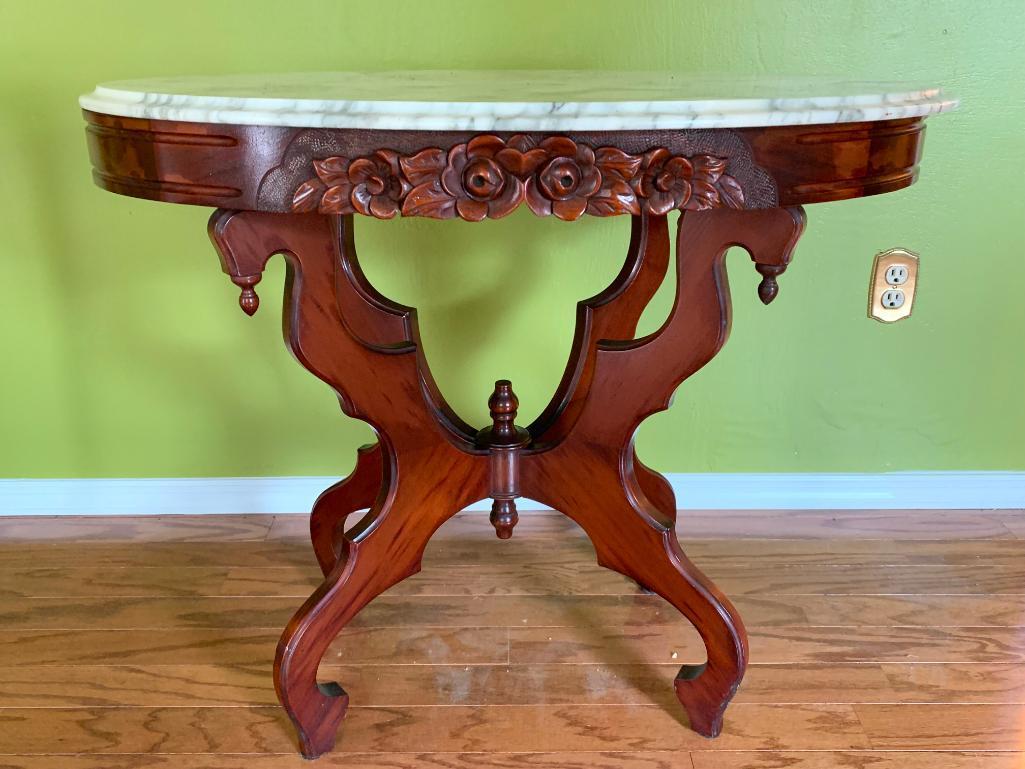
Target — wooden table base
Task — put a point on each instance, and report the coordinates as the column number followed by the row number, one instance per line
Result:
column 577, row 457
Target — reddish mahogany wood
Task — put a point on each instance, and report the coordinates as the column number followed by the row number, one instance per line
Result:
column 428, row 475
column 590, row 475
column 294, row 191
column 358, row 491
column 579, row 458
column 251, row 167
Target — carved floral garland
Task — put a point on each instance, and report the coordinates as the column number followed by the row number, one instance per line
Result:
column 489, row 177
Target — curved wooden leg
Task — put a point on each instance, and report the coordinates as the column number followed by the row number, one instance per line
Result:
column 656, row 488
column 423, row 471
column 627, row 510
column 642, row 545
column 357, row 491
column 373, row 557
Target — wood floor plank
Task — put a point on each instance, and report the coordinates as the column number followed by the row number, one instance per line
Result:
column 944, row 727
column 474, row 760
column 559, row 573
column 841, row 524
column 638, row 610
column 531, row 728
column 967, row 683
column 153, row 528
column 30, row 686
column 591, row 644
column 206, row 646
column 1013, row 520
column 454, row 543
column 114, row 554
column 793, row 524
column 876, row 759
column 920, row 610
column 740, row 759
column 757, row 524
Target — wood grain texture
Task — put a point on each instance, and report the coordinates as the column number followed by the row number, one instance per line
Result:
column 273, row 168
column 388, row 685
column 463, row 540
column 430, row 463
column 834, row 525
column 454, row 577
column 154, row 528
column 178, row 676
column 531, row 728
column 455, row 728
column 741, row 759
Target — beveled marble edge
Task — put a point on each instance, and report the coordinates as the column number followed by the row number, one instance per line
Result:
column 516, row 116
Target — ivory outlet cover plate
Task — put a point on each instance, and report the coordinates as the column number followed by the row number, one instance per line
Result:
column 882, row 289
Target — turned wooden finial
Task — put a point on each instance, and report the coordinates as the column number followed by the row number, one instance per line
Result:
column 505, row 440
column 768, row 289
column 504, row 517
column 503, row 404
column 248, row 300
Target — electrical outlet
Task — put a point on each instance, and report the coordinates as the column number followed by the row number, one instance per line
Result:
column 893, row 299
column 891, row 293
column 897, row 274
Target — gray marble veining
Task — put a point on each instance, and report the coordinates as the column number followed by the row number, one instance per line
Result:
column 514, row 100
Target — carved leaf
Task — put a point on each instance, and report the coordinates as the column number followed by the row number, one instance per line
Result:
column 424, row 167
column 704, row 195
column 614, row 160
column 429, row 200
column 709, row 165
column 307, row 196
column 730, row 192
column 332, row 171
column 336, row 200
column 615, row 198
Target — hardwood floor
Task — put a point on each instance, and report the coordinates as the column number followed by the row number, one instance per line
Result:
column 879, row 639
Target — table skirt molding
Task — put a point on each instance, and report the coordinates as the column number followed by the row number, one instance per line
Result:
column 694, row 491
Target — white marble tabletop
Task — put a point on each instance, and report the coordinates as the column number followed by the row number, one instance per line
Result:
column 516, row 100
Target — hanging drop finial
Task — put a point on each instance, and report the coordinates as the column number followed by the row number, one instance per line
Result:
column 248, row 300
column 768, row 289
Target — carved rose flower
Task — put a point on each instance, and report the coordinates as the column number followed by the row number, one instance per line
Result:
column 378, row 184
column 665, row 181
column 478, row 182
column 565, row 183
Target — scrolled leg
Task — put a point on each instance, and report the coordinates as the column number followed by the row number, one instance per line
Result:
column 357, row 491
column 421, row 472
column 591, row 473
column 641, row 544
column 373, row 557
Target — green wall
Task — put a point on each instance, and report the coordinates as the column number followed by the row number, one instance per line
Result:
column 125, row 353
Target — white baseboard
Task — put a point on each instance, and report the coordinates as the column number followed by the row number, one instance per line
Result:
column 695, row 491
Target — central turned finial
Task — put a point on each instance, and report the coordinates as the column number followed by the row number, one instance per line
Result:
column 505, row 440
column 503, row 404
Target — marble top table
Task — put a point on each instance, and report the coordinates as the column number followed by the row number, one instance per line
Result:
column 290, row 161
